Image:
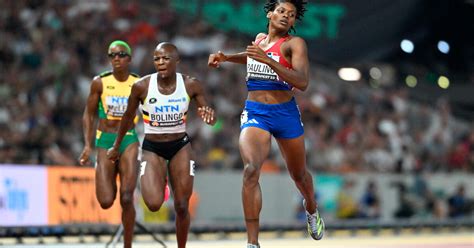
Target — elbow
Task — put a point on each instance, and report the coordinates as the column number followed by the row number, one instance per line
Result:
column 303, row 86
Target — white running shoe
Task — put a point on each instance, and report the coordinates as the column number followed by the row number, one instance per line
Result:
column 315, row 224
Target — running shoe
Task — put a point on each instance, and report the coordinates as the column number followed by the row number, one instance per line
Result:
column 315, row 224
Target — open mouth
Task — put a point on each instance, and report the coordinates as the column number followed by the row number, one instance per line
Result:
column 284, row 22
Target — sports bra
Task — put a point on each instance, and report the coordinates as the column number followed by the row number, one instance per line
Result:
column 261, row 76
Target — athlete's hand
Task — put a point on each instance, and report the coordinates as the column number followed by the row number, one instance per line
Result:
column 113, row 154
column 255, row 52
column 207, row 115
column 216, row 58
column 84, row 158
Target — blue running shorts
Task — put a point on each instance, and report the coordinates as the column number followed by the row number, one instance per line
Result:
column 282, row 120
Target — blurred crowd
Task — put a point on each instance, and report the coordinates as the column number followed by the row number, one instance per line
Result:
column 51, row 50
column 415, row 200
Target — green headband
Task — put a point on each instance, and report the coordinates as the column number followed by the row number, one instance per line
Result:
column 121, row 43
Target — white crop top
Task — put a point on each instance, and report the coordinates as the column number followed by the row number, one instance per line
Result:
column 165, row 113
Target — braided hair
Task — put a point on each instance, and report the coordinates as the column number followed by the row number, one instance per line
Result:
column 270, row 5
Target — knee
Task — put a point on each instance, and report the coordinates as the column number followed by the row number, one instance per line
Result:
column 126, row 198
column 251, row 175
column 154, row 206
column 181, row 208
column 106, row 202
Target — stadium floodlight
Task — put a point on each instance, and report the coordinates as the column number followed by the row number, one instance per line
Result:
column 443, row 46
column 407, row 46
column 411, row 81
column 443, row 82
column 349, row 74
column 375, row 73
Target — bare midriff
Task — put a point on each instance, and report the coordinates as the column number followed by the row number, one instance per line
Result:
column 270, row 96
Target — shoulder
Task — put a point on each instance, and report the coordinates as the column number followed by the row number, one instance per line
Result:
column 192, row 84
column 190, row 80
column 97, row 80
column 294, row 44
column 96, row 84
column 140, row 88
column 260, row 36
column 104, row 74
column 296, row 40
column 142, row 82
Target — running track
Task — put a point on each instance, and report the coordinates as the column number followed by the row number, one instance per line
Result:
column 455, row 240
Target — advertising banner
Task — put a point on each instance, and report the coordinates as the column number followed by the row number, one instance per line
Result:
column 146, row 216
column 71, row 198
column 23, row 198
column 335, row 31
column 328, row 187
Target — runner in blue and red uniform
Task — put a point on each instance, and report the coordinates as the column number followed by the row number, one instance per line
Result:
column 277, row 64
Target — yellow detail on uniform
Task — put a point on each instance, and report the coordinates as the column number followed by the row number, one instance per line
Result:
column 98, row 133
column 114, row 97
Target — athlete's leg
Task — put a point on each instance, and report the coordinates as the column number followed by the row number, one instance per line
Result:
column 105, row 179
column 294, row 153
column 254, row 145
column 181, row 179
column 152, row 180
column 128, row 170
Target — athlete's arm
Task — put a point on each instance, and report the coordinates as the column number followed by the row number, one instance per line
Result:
column 89, row 119
column 298, row 76
column 196, row 91
column 216, row 58
column 240, row 58
column 127, row 119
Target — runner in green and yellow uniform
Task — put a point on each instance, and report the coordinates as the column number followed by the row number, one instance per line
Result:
column 107, row 102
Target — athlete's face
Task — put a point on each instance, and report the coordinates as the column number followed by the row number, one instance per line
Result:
column 283, row 16
column 165, row 60
column 119, row 57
